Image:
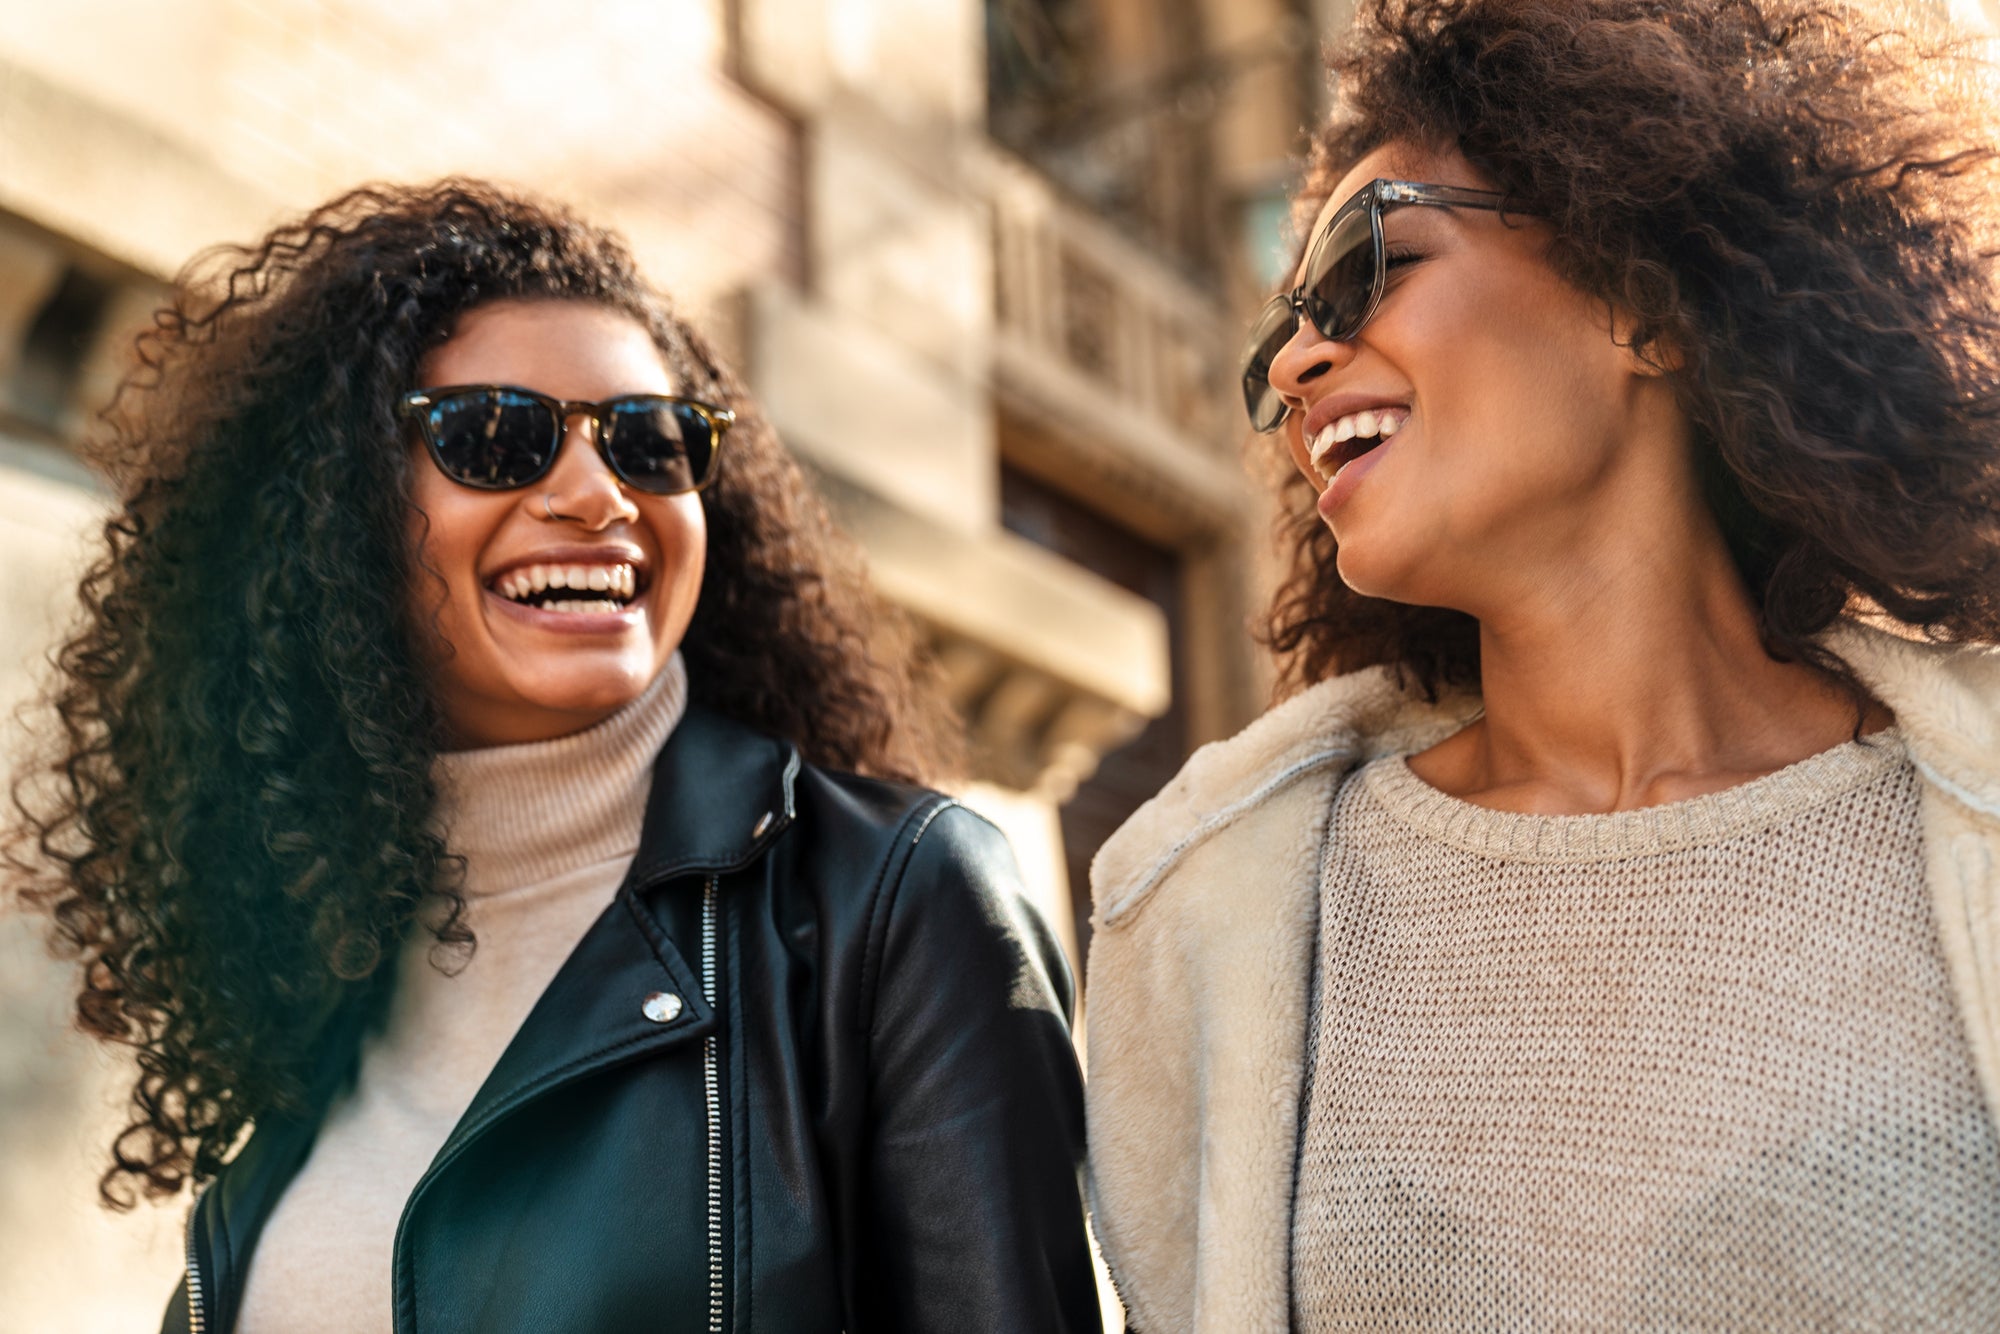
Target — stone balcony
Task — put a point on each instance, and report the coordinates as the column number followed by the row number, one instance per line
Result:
column 1121, row 366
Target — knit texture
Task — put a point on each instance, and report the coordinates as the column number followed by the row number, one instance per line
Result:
column 1694, row 1066
column 547, row 831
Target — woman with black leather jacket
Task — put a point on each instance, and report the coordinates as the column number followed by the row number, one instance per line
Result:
column 460, row 808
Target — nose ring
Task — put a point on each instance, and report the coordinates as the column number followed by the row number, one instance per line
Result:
column 549, row 508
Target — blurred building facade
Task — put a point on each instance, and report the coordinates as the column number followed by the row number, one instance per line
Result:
column 983, row 263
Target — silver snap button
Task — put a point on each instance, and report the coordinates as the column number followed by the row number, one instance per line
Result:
column 662, row 1007
column 763, row 823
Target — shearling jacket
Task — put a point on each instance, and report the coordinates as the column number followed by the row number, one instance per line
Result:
column 1200, row 965
column 810, row 1071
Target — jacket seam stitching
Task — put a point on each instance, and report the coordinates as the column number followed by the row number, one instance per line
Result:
column 1309, row 1073
column 883, row 906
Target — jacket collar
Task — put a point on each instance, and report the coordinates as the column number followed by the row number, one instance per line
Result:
column 1946, row 699
column 1336, row 724
column 721, row 793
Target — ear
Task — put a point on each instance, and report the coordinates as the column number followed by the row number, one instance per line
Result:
column 1651, row 356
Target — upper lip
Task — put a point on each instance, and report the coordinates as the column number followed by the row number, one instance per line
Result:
column 612, row 553
column 1335, row 406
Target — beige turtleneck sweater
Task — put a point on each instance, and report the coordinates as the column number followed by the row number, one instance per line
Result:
column 547, row 831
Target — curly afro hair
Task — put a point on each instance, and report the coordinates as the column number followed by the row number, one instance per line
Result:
column 1797, row 201
column 235, row 828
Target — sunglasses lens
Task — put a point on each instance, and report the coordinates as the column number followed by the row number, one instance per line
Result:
column 658, row 445
column 1268, row 337
column 1340, row 276
column 494, row 439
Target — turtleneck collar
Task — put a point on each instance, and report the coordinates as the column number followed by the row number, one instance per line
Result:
column 524, row 814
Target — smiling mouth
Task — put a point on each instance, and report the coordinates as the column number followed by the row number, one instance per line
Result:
column 579, row 589
column 1346, row 439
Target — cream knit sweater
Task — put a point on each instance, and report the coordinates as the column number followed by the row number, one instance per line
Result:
column 1692, row 1066
column 547, row 831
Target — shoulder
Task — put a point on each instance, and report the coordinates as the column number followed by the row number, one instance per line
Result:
column 1946, row 698
column 903, row 818
column 941, row 897
column 909, row 839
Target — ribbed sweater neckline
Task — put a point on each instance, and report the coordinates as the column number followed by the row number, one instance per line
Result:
column 1712, row 818
column 524, row 814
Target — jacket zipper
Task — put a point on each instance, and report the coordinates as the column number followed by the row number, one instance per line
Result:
column 712, row 1085
column 197, row 1321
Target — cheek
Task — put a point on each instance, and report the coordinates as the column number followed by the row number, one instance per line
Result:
column 1527, row 411
column 680, row 529
column 448, row 527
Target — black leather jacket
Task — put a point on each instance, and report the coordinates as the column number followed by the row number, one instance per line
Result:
column 810, row 1071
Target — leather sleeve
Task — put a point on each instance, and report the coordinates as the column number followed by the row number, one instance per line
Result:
column 974, row 1209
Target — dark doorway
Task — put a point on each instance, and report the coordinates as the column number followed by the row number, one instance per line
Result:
column 1129, row 776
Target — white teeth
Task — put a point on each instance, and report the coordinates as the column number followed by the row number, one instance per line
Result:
column 1373, row 423
column 594, row 607
column 1360, row 425
column 621, row 582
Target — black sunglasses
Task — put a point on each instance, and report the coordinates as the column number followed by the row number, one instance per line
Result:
column 498, row 437
column 1342, row 285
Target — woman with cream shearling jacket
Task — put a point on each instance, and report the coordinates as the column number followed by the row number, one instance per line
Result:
column 1196, row 1067
column 1605, row 934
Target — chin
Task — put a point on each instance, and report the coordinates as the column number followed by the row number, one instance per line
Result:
column 600, row 689
column 1365, row 571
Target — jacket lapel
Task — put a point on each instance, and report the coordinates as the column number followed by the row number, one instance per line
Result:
column 721, row 792
column 594, row 1015
column 1947, row 704
column 1200, row 977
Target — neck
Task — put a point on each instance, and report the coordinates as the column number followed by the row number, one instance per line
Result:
column 522, row 815
column 1640, row 681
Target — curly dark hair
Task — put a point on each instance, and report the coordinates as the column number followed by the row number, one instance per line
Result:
column 1796, row 209
column 235, row 827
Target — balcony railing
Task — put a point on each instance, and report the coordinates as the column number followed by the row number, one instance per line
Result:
column 1072, row 291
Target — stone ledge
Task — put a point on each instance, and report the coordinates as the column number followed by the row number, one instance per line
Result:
column 1052, row 666
column 861, row 406
column 1140, row 469
column 119, row 187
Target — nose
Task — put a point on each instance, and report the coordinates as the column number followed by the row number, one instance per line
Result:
column 581, row 487
column 1307, row 356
